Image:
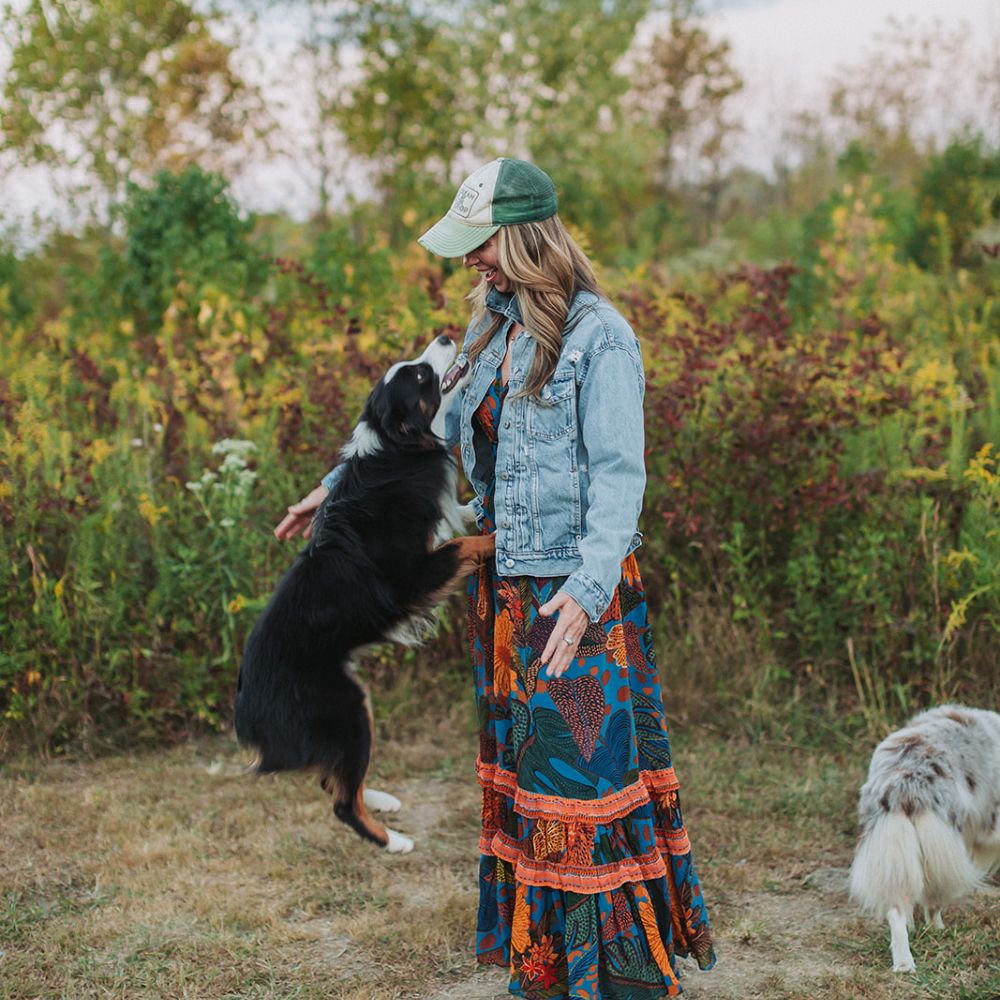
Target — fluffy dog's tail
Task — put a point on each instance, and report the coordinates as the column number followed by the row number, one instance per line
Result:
column 901, row 862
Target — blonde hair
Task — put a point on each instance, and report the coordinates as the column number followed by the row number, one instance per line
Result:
column 546, row 269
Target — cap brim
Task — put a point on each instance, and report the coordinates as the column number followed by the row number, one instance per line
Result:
column 451, row 238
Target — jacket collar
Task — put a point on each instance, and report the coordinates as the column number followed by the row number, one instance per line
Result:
column 504, row 303
column 507, row 305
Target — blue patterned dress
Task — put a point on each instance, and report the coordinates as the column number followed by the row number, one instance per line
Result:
column 587, row 885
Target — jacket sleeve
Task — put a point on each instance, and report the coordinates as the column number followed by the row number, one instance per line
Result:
column 611, row 430
column 333, row 477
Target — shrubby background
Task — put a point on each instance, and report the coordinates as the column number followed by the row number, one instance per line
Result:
column 822, row 348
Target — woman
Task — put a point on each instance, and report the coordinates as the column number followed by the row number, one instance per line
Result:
column 587, row 887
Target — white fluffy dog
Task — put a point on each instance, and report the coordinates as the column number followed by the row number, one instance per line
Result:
column 930, row 819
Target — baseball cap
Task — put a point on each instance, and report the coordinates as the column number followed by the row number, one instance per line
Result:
column 504, row 191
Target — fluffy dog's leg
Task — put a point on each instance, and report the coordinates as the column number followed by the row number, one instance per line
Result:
column 902, row 960
column 887, row 879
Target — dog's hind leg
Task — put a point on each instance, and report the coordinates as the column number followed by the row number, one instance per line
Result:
column 902, row 960
column 347, row 786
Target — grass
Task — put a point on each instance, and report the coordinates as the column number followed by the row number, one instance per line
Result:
column 178, row 875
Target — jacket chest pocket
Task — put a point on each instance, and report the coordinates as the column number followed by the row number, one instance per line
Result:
column 553, row 416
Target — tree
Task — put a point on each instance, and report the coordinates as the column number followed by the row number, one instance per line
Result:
column 117, row 89
column 444, row 87
column 957, row 193
column 683, row 82
column 556, row 81
column 412, row 105
column 184, row 227
column 885, row 99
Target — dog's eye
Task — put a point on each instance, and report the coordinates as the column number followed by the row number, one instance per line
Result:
column 421, row 377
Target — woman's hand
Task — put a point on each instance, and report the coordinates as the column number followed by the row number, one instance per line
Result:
column 566, row 635
column 300, row 515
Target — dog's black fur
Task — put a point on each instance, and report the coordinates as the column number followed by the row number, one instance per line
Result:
column 369, row 567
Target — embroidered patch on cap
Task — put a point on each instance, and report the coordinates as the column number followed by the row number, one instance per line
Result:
column 464, row 201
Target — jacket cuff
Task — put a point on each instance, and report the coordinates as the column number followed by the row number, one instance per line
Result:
column 331, row 477
column 588, row 593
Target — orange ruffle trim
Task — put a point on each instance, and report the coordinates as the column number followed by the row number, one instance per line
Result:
column 651, row 786
column 580, row 816
column 576, row 878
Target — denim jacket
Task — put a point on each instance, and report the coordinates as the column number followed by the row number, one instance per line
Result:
column 570, row 472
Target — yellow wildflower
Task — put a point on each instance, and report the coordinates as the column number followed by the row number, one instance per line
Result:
column 99, row 450
column 149, row 511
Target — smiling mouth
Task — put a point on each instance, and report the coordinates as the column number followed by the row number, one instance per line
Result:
column 452, row 375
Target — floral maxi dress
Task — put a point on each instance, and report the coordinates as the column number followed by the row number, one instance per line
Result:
column 587, row 886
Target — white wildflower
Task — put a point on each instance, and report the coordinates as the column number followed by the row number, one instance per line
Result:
column 233, row 446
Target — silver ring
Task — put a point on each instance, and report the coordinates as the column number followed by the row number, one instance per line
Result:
column 569, row 642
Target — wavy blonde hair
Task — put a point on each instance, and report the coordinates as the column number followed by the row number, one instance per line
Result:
column 546, row 269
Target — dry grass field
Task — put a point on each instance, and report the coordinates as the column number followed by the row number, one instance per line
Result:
column 176, row 874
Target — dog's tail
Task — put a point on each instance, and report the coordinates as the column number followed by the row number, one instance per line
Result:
column 902, row 861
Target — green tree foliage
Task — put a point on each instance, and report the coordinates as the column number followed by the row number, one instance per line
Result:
column 415, row 101
column 186, row 228
column 554, row 82
column 116, row 90
column 555, row 79
column 957, row 193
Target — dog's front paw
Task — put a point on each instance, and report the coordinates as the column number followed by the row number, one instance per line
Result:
column 381, row 801
column 474, row 550
column 398, row 843
column 904, row 965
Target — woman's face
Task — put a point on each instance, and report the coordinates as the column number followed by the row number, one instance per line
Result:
column 486, row 261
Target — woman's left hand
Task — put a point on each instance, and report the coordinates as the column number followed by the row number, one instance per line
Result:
column 566, row 635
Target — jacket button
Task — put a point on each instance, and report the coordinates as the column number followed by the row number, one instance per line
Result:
column 506, row 424
column 505, row 475
column 505, row 524
column 508, row 563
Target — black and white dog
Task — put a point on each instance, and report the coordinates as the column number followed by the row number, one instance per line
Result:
column 374, row 566
column 930, row 819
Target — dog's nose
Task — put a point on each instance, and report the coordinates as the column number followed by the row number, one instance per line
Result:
column 444, row 341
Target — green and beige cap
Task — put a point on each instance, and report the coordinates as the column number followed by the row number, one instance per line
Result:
column 503, row 192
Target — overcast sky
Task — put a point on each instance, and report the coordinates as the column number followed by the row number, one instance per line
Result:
column 786, row 51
